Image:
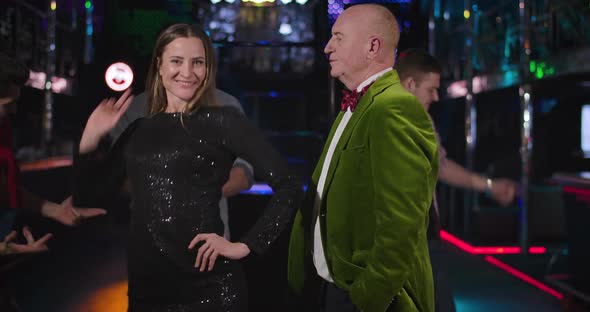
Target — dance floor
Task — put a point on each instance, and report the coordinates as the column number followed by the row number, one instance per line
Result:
column 85, row 270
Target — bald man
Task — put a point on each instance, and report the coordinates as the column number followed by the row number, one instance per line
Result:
column 361, row 237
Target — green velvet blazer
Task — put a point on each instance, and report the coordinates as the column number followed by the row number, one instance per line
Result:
column 374, row 212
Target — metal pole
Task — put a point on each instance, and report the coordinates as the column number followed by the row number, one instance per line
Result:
column 432, row 27
column 47, row 129
column 526, row 148
column 88, row 47
column 526, row 108
column 470, row 200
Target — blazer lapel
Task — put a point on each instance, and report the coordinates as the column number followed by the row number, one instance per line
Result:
column 315, row 177
column 365, row 101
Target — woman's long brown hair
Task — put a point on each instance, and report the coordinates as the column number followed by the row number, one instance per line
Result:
column 155, row 91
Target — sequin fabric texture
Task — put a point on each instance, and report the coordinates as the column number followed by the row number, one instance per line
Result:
column 176, row 172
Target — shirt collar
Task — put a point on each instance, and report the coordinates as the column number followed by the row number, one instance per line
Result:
column 371, row 79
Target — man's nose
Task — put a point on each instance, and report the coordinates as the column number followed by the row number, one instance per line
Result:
column 328, row 49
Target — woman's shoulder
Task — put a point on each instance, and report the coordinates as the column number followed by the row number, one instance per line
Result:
column 218, row 113
column 220, row 110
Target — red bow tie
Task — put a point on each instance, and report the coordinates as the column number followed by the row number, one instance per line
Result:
column 351, row 98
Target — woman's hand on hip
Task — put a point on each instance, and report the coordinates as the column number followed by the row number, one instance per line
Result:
column 215, row 246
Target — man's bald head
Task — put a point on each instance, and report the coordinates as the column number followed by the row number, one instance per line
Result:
column 364, row 39
column 377, row 20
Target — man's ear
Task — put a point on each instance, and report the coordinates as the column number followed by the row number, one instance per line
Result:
column 374, row 46
column 409, row 83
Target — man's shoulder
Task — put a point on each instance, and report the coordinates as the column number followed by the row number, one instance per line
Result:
column 388, row 88
column 395, row 101
column 394, row 96
column 138, row 106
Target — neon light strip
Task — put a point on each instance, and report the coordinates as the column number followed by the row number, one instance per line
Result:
column 457, row 242
column 524, row 277
column 537, row 250
column 46, row 164
column 578, row 191
column 487, row 250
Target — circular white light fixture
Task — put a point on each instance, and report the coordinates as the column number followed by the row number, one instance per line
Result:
column 285, row 29
column 119, row 76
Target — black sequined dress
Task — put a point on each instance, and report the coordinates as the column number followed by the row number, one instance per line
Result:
column 176, row 174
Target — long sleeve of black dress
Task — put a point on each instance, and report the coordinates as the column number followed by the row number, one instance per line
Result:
column 247, row 142
column 176, row 166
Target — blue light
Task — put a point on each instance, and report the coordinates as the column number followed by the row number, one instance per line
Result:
column 273, row 94
column 339, row 6
column 474, row 304
column 262, row 189
column 258, row 189
column 437, row 9
column 547, row 105
column 89, row 30
column 295, row 160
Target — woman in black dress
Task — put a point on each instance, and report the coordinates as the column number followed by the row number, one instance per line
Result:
column 176, row 161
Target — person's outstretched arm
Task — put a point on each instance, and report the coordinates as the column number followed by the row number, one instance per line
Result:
column 501, row 190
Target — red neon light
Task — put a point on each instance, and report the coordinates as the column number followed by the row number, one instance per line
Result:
column 577, row 191
column 581, row 194
column 496, row 250
column 487, row 250
column 524, row 277
column 537, row 250
column 558, row 276
column 457, row 242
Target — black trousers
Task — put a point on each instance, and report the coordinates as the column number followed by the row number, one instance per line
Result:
column 334, row 299
column 443, row 293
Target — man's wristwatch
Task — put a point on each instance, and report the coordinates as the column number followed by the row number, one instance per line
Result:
column 488, row 189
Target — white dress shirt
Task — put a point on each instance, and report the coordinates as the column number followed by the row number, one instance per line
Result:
column 319, row 258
